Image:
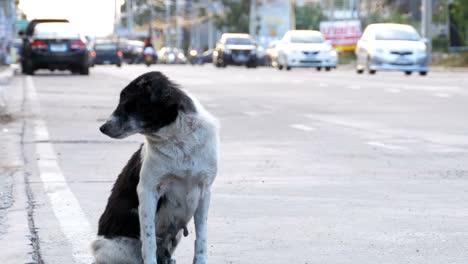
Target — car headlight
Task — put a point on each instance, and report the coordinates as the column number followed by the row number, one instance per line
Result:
column 227, row 51
column 193, row 53
column 180, row 56
column 171, row 56
column 333, row 53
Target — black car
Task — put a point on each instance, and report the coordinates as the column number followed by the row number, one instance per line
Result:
column 54, row 45
column 132, row 51
column 107, row 53
column 235, row 49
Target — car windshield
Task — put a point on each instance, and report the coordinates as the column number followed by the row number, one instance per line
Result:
column 397, row 34
column 105, row 47
column 55, row 30
column 239, row 41
column 306, row 38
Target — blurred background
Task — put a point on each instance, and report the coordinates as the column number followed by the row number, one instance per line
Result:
column 199, row 24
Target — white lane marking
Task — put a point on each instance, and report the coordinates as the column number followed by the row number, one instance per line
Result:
column 298, row 81
column 393, row 90
column 354, row 87
column 432, row 88
column 323, row 84
column 303, row 127
column 385, row 146
column 443, row 95
column 66, row 207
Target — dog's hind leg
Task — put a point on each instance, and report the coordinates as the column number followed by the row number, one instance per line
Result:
column 119, row 250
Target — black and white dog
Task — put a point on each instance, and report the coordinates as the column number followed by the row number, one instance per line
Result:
column 166, row 182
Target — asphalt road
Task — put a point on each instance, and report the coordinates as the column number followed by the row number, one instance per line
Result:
column 315, row 167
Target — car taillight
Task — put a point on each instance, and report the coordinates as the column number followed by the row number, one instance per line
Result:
column 78, row 44
column 120, row 54
column 38, row 44
column 93, row 54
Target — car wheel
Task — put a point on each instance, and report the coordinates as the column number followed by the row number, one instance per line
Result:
column 288, row 68
column 423, row 73
column 327, row 68
column 119, row 65
column 408, row 72
column 84, row 70
column 372, row 71
column 319, row 68
column 359, row 71
column 280, row 67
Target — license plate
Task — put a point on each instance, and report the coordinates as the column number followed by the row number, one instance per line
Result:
column 403, row 61
column 106, row 62
column 58, row 47
column 241, row 57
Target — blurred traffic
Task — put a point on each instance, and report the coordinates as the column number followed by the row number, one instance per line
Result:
column 283, row 35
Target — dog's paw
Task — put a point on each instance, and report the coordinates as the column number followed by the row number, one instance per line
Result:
column 199, row 259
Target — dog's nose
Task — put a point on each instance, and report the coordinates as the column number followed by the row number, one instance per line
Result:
column 103, row 129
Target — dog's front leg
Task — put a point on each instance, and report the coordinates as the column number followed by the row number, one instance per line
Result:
column 147, row 196
column 201, row 220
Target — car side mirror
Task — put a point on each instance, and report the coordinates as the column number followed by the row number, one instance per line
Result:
column 21, row 33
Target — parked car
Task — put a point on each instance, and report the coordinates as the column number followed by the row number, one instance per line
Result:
column 107, row 53
column 169, row 55
column 235, row 49
column 271, row 53
column 398, row 47
column 54, row 45
column 305, row 48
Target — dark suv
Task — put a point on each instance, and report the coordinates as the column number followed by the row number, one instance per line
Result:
column 55, row 45
column 235, row 49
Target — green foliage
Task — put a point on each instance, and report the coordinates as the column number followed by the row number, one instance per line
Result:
column 235, row 18
column 459, row 14
column 308, row 16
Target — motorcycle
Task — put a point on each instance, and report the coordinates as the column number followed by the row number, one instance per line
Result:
column 149, row 59
column 195, row 57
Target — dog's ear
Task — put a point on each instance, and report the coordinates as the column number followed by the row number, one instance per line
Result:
column 159, row 88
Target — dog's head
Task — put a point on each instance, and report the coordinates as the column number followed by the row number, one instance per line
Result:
column 147, row 104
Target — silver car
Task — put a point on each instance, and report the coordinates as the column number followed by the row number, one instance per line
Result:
column 394, row 47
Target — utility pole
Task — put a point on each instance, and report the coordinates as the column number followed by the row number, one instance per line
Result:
column 210, row 25
column 129, row 11
column 150, row 24
column 168, row 17
column 178, row 16
column 426, row 22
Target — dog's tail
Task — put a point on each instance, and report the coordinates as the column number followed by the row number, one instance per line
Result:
column 119, row 250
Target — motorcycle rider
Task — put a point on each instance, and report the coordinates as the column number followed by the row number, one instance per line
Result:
column 148, row 50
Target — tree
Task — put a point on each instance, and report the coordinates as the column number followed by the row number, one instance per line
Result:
column 308, row 16
column 236, row 16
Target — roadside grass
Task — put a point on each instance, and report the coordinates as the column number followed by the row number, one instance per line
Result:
column 452, row 59
column 346, row 58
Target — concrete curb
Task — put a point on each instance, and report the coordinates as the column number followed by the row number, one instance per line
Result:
column 15, row 229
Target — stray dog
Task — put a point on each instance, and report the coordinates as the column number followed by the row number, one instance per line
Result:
column 166, row 182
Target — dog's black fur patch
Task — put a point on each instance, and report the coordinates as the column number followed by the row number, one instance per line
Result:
column 153, row 100
column 120, row 218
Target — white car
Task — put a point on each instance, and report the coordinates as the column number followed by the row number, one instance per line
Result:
column 385, row 47
column 305, row 48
